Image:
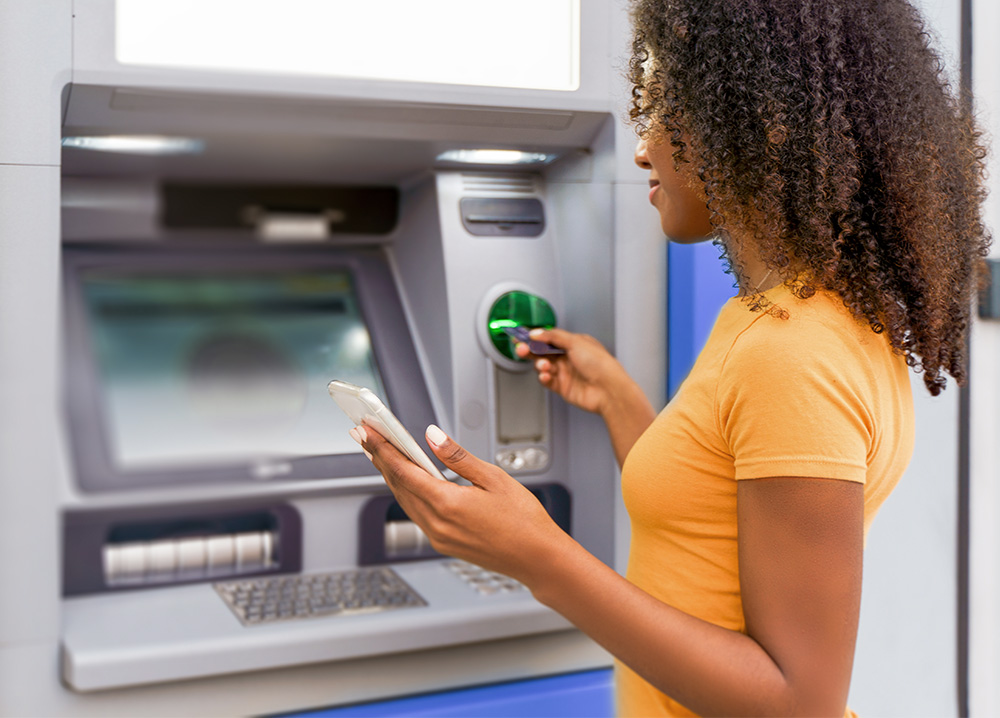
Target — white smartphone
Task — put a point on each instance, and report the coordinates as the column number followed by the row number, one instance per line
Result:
column 364, row 407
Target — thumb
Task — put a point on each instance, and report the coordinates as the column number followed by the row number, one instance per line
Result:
column 554, row 336
column 458, row 459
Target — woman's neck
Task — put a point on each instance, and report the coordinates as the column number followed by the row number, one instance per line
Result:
column 755, row 276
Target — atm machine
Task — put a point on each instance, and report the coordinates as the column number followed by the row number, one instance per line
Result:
column 193, row 246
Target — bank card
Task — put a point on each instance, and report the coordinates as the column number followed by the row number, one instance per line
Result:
column 520, row 334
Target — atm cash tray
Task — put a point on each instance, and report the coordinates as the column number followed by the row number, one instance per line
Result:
column 122, row 639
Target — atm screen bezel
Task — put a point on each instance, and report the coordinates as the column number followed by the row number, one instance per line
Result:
column 381, row 308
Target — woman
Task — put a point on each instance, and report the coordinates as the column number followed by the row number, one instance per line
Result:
column 818, row 142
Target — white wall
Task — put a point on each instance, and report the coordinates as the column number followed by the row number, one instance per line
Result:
column 906, row 659
column 984, row 609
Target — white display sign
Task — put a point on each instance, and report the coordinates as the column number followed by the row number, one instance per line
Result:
column 530, row 44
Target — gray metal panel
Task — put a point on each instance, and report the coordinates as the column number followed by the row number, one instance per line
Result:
column 30, row 446
column 36, row 40
column 478, row 270
column 35, row 37
column 291, row 138
column 418, row 263
column 189, row 632
column 29, row 673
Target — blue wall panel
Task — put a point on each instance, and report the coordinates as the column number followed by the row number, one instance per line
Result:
column 589, row 694
column 697, row 287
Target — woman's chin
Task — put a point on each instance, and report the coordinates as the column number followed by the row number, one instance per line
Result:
column 680, row 237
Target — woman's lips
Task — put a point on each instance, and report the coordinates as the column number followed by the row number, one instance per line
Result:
column 653, row 185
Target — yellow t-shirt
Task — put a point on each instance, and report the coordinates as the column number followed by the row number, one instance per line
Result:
column 815, row 395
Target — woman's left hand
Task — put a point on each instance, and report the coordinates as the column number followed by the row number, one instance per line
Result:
column 496, row 523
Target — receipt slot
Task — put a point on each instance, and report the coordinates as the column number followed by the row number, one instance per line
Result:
column 521, row 405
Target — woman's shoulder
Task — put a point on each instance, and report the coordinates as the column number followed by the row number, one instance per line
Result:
column 822, row 313
column 801, row 332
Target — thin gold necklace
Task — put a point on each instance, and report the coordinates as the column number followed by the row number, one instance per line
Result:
column 756, row 289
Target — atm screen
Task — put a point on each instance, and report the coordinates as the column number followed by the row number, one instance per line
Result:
column 210, row 368
column 207, row 365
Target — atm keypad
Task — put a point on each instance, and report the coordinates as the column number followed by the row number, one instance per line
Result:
column 483, row 581
column 316, row 595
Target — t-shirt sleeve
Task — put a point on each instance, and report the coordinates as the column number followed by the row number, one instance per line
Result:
column 793, row 401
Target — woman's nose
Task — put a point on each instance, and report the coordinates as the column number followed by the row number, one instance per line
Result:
column 641, row 157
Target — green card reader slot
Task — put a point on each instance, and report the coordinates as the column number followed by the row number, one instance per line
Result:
column 514, row 309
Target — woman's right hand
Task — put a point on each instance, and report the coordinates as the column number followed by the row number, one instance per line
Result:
column 585, row 376
column 589, row 377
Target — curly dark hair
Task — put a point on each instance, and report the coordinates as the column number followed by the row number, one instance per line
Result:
column 827, row 130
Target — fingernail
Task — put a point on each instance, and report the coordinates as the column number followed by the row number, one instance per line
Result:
column 354, row 434
column 358, row 434
column 367, row 454
column 435, row 435
column 535, row 333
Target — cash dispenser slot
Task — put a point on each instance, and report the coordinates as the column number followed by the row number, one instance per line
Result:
column 315, row 210
column 386, row 534
column 107, row 551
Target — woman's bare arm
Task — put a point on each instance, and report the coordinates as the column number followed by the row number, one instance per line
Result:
column 800, row 563
column 800, row 567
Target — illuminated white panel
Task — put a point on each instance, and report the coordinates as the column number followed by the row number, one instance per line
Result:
column 494, row 157
column 137, row 144
column 532, row 44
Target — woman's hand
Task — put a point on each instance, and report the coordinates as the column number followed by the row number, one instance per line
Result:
column 585, row 376
column 496, row 523
column 800, row 545
column 589, row 377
